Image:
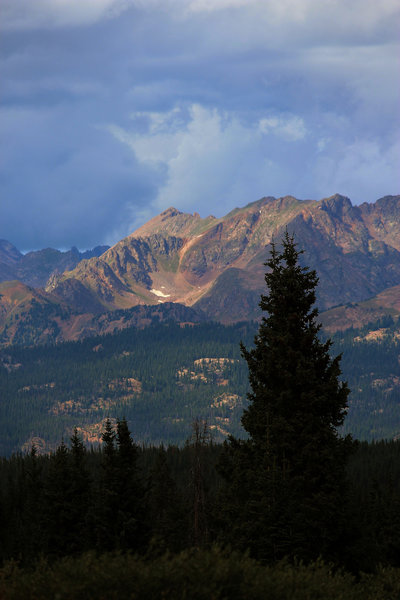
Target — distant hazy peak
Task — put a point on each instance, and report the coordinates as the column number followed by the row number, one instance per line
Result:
column 8, row 252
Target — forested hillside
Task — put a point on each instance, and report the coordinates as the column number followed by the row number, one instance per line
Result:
column 371, row 365
column 163, row 376
column 160, row 378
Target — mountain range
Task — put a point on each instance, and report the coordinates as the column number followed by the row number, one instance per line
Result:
column 188, row 268
column 34, row 268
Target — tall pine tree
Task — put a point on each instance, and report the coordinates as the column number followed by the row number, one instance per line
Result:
column 130, row 517
column 121, row 519
column 285, row 484
column 107, row 497
column 81, row 485
column 166, row 510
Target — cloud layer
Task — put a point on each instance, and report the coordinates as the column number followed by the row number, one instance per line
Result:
column 113, row 110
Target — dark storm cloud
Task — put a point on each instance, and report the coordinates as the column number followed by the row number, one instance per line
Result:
column 75, row 188
column 113, row 110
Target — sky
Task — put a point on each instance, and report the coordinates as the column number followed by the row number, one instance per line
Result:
column 112, row 111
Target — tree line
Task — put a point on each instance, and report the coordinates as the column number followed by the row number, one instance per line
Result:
column 149, row 500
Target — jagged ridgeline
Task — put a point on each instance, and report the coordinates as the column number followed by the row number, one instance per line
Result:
column 164, row 376
column 214, row 266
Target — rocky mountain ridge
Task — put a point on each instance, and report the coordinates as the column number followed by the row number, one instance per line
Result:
column 216, row 266
column 34, row 268
column 201, row 262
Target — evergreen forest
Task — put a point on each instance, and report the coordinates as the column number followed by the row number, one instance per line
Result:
column 140, row 498
column 69, row 527
column 158, row 379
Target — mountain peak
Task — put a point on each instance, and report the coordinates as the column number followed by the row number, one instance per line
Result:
column 171, row 222
column 336, row 204
column 9, row 253
column 170, row 212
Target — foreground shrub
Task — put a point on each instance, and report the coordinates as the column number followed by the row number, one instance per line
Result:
column 190, row 575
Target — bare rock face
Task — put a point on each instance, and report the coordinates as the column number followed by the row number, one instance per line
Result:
column 217, row 265
column 83, row 300
column 382, row 220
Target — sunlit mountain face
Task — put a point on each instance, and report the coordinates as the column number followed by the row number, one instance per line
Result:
column 214, row 266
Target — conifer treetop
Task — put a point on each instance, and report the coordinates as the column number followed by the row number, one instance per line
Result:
column 293, row 378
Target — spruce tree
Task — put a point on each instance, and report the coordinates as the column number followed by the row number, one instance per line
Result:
column 130, row 517
column 58, row 519
column 80, row 495
column 166, row 510
column 32, row 514
column 121, row 522
column 107, row 498
column 285, row 484
column 201, row 438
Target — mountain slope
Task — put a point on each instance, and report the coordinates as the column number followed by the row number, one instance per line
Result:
column 29, row 316
column 358, row 314
column 217, row 264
